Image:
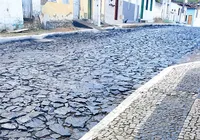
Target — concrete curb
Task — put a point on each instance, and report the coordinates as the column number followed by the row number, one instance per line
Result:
column 127, row 102
column 148, row 24
column 42, row 36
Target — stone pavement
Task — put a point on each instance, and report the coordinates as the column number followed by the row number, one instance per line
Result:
column 61, row 86
column 167, row 107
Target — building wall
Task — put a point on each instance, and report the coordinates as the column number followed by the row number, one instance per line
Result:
column 174, row 15
column 36, row 7
column 148, row 14
column 103, row 10
column 128, row 11
column 192, row 13
column 132, row 8
column 84, row 9
column 195, row 19
column 76, row 9
column 157, row 11
column 110, row 12
column 11, row 14
column 58, row 10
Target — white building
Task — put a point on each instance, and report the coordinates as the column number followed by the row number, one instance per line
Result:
column 192, row 15
column 170, row 11
column 147, row 10
column 176, row 13
column 122, row 11
column 11, row 14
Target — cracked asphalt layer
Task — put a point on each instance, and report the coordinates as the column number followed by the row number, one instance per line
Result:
column 61, row 86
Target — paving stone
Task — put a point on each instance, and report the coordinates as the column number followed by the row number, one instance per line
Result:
column 23, row 119
column 21, row 127
column 45, row 103
column 35, row 123
column 62, row 110
column 4, row 121
column 38, row 79
column 58, row 128
column 77, row 121
column 42, row 133
column 56, row 105
column 17, row 134
column 10, row 126
column 55, row 136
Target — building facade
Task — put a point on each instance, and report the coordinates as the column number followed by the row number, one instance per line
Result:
column 147, row 10
column 11, row 15
column 192, row 17
column 122, row 11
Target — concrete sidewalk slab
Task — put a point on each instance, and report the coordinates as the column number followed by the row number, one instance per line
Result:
column 157, row 110
column 42, row 36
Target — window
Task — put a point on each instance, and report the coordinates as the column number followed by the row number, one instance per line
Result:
column 197, row 13
column 151, row 6
column 179, row 11
column 65, row 1
column 186, row 18
column 147, row 3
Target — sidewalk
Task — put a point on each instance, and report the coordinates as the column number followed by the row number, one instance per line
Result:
column 134, row 25
column 167, row 107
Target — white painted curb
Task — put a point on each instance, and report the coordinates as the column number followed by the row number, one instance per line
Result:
column 148, row 24
column 33, row 37
column 127, row 102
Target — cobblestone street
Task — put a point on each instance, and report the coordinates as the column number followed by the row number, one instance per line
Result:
column 62, row 86
column 166, row 110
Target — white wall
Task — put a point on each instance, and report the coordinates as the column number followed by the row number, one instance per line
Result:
column 148, row 15
column 11, row 14
column 196, row 22
column 157, row 10
column 110, row 12
column 36, row 7
column 174, row 14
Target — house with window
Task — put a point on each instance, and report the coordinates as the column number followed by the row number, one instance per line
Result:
column 177, row 12
column 170, row 11
column 192, row 15
column 147, row 10
column 56, row 13
column 121, row 11
column 92, row 10
column 111, row 11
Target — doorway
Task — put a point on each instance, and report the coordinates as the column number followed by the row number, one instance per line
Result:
column 190, row 19
column 89, row 9
column 27, row 8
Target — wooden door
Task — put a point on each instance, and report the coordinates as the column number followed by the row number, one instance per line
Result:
column 190, row 19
